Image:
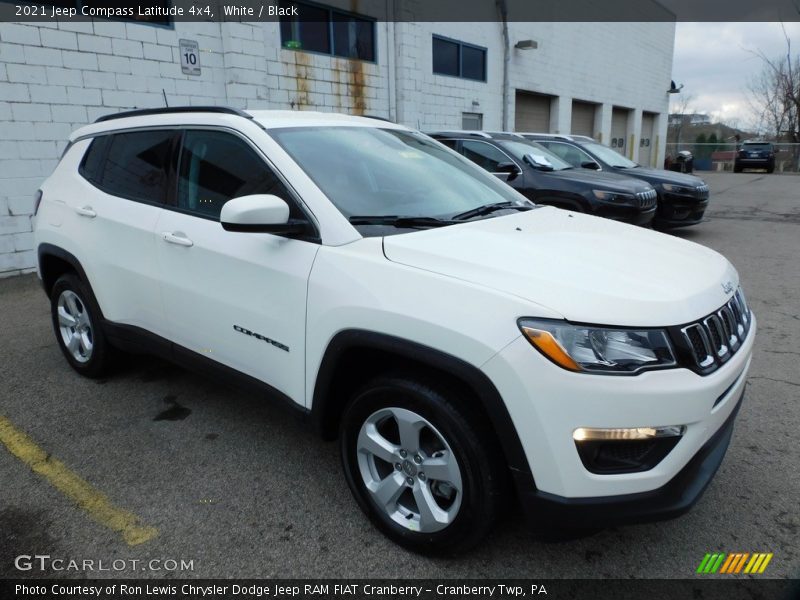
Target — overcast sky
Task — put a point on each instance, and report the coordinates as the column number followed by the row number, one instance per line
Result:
column 714, row 61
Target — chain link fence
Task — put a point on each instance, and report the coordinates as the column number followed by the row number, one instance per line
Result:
column 720, row 156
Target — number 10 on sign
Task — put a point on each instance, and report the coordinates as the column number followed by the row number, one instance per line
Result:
column 190, row 57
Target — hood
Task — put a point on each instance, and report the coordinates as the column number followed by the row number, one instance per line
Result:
column 585, row 268
column 602, row 180
column 657, row 176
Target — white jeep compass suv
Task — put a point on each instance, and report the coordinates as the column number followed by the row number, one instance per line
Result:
column 464, row 345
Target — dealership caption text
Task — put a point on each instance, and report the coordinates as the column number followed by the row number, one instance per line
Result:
column 278, row 591
column 206, row 11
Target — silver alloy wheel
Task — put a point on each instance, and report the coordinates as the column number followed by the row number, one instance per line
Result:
column 409, row 470
column 75, row 326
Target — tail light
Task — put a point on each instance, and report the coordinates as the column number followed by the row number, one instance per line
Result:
column 37, row 200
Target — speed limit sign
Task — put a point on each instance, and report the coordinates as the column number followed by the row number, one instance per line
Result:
column 190, row 57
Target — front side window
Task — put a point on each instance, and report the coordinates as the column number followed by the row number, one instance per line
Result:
column 215, row 167
column 609, row 156
column 458, row 59
column 574, row 156
column 520, row 149
column 328, row 31
column 484, row 155
column 367, row 171
column 135, row 165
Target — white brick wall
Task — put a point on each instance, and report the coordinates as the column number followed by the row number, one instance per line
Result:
column 57, row 77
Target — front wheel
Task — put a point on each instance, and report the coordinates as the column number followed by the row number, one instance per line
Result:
column 76, row 321
column 420, row 465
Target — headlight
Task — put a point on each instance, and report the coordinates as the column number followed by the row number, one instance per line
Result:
column 604, row 350
column 616, row 197
column 677, row 189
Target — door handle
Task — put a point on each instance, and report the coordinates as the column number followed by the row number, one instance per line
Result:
column 177, row 237
column 86, row 211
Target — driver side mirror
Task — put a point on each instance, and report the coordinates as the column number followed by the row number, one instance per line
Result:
column 509, row 168
column 590, row 164
column 259, row 213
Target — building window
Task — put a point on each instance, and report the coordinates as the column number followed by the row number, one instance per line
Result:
column 471, row 121
column 457, row 59
column 103, row 9
column 326, row 30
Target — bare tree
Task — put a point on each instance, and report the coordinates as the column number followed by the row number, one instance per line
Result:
column 774, row 95
column 680, row 108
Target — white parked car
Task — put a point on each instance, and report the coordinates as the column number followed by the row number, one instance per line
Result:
column 465, row 346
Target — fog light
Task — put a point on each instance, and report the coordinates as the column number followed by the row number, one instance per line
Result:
column 631, row 433
column 625, row 450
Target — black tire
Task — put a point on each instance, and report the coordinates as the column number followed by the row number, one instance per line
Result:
column 93, row 363
column 771, row 169
column 737, row 169
column 482, row 471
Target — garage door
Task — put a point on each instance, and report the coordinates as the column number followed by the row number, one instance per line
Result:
column 532, row 112
column 583, row 118
column 619, row 130
column 647, row 143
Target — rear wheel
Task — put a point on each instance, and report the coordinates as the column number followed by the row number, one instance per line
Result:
column 76, row 322
column 421, row 467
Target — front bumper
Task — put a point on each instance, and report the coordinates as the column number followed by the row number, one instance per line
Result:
column 633, row 216
column 547, row 404
column 667, row 502
column 679, row 211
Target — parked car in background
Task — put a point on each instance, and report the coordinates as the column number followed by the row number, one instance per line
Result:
column 545, row 178
column 755, row 154
column 682, row 198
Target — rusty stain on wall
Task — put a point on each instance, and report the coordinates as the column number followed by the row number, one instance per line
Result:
column 300, row 70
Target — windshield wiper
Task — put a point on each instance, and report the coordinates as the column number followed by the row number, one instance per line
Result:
column 398, row 221
column 487, row 209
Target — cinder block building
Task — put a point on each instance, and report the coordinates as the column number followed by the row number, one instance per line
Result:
column 606, row 80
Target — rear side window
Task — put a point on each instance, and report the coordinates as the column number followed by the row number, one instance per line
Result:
column 136, row 165
column 130, row 165
column 92, row 164
column 216, row 167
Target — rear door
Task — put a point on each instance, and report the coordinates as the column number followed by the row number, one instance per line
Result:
column 237, row 298
column 124, row 181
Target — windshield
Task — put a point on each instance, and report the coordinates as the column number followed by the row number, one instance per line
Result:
column 520, row 149
column 366, row 171
column 609, row 156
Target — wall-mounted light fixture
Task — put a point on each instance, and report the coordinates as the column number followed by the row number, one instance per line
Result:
column 526, row 45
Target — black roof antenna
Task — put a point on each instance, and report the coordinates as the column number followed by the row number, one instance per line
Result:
column 163, row 91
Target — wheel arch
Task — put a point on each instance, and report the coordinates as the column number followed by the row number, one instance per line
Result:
column 366, row 353
column 54, row 262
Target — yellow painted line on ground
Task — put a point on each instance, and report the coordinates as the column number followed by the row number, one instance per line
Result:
column 95, row 503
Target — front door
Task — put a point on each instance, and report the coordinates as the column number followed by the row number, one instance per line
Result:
column 237, row 298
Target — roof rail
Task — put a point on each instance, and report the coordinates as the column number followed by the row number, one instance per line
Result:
column 556, row 136
column 482, row 134
column 511, row 133
column 173, row 109
column 377, row 118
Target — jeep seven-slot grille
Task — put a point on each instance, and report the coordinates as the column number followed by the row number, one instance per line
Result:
column 715, row 338
column 647, row 199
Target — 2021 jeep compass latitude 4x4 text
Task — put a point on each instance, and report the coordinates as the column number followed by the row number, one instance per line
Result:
column 463, row 345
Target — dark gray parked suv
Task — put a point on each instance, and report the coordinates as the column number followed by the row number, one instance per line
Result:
column 682, row 198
